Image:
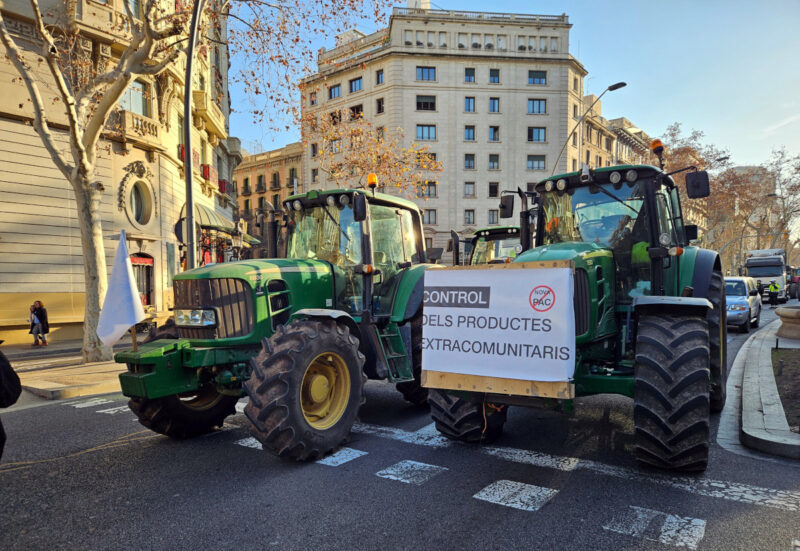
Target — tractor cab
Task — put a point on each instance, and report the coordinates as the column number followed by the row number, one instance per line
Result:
column 495, row 245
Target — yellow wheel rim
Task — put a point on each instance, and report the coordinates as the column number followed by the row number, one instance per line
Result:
column 325, row 390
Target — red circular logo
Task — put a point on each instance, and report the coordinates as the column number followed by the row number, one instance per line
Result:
column 542, row 298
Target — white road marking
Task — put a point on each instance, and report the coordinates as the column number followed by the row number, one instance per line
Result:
column 795, row 545
column 744, row 493
column 654, row 525
column 411, row 472
column 114, row 411
column 90, row 403
column 249, row 443
column 343, row 455
column 517, row 495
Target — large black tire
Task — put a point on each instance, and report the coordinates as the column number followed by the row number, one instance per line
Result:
column 671, row 393
column 718, row 341
column 460, row 419
column 413, row 391
column 280, row 393
column 758, row 320
column 187, row 416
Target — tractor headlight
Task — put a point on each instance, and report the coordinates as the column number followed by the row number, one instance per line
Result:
column 195, row 318
column 737, row 307
column 664, row 240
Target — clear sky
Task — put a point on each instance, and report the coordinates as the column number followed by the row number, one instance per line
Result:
column 728, row 68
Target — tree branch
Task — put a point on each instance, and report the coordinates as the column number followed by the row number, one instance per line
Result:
column 40, row 116
column 161, row 65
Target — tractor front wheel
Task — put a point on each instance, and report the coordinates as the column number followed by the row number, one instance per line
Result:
column 464, row 420
column 186, row 415
column 306, row 389
column 413, row 391
column 671, row 391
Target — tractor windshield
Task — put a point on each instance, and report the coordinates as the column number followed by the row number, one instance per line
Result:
column 488, row 250
column 607, row 217
column 325, row 233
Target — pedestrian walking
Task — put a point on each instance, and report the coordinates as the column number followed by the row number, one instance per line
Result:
column 39, row 324
column 760, row 288
column 773, row 294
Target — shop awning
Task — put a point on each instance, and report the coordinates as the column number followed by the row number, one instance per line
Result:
column 210, row 219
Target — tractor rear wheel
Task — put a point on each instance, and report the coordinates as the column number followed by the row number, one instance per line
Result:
column 671, row 391
column 718, row 341
column 461, row 419
column 413, row 391
column 306, row 389
column 186, row 415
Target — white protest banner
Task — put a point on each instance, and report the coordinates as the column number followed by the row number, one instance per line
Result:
column 513, row 322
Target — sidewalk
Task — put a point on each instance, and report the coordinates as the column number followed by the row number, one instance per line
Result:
column 16, row 352
column 763, row 421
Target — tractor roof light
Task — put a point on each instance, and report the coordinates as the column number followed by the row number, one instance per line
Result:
column 615, row 177
column 561, row 185
column 372, row 180
column 548, row 185
column 657, row 147
column 344, row 199
column 298, row 206
column 331, row 200
column 631, row 176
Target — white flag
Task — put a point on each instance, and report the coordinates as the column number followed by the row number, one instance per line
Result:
column 122, row 307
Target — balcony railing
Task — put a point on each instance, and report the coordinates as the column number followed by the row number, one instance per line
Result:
column 210, row 113
column 209, row 173
column 141, row 130
column 246, row 190
column 260, row 188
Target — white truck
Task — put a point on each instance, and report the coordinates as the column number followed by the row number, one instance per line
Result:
column 767, row 265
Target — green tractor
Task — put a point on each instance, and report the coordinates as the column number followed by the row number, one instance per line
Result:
column 491, row 245
column 299, row 335
column 649, row 311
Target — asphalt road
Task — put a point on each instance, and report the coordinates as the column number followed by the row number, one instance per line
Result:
column 83, row 474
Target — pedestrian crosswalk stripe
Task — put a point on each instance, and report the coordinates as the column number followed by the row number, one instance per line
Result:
column 411, row 472
column 340, row 457
column 517, row 495
column 652, row 525
column 249, row 443
column 785, row 500
column 114, row 411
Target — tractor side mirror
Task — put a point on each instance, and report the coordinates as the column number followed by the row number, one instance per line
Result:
column 507, row 206
column 697, row 185
column 359, row 207
column 691, row 232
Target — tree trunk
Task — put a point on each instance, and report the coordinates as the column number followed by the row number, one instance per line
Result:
column 94, row 267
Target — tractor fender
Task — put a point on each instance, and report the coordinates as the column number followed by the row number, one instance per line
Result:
column 408, row 299
column 339, row 316
column 661, row 304
column 706, row 263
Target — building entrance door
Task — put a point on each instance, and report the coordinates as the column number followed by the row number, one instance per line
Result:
column 143, row 273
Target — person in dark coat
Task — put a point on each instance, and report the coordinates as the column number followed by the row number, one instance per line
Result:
column 39, row 324
column 10, row 390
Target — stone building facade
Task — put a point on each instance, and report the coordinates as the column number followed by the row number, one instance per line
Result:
column 141, row 166
column 493, row 95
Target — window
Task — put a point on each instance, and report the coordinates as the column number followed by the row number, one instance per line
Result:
column 469, row 216
column 493, row 216
column 314, row 174
column 494, row 161
column 494, row 133
column 574, row 165
column 356, row 111
column 141, row 203
column 136, row 8
column 574, row 140
column 313, row 98
column 134, row 99
column 426, row 103
column 469, row 189
column 276, row 201
column 469, row 74
column 575, row 83
column 379, row 132
column 356, row 85
column 537, row 77
column 429, row 242
column 469, row 133
column 379, row 76
column 261, row 201
column 260, row 184
column 469, row 104
column 379, row 106
column 494, row 189
column 469, row 161
column 334, row 91
column 494, row 105
column 246, row 185
column 598, row 161
column 608, row 144
column 575, row 111
column 535, row 162
column 428, row 190
column 553, row 44
column 429, row 216
column 426, row 73
column 247, row 204
column 494, row 76
column 537, row 134
column 537, row 106
column 426, row 132
column 314, row 150
column 336, row 145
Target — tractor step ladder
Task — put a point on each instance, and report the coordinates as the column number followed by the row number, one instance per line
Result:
column 394, row 352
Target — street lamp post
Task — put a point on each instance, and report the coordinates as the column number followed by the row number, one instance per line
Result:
column 611, row 88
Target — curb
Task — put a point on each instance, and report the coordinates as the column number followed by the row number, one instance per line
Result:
column 763, row 423
column 70, row 381
column 36, row 353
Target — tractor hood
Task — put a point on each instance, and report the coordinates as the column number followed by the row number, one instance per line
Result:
column 569, row 250
column 257, row 269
